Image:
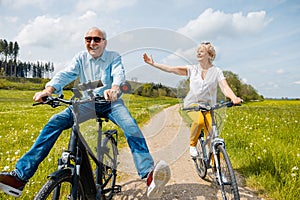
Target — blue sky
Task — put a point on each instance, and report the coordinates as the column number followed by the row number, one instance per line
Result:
column 258, row 39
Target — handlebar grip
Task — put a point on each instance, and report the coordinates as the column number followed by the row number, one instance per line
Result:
column 229, row 104
column 45, row 98
column 38, row 103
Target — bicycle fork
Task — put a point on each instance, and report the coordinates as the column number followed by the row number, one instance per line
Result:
column 217, row 142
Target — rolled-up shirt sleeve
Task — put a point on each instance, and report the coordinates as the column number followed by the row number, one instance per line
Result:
column 117, row 71
column 64, row 77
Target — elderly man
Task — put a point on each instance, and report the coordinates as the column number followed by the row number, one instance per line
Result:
column 96, row 63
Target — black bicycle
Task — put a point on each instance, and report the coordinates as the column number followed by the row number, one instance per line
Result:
column 81, row 174
column 212, row 154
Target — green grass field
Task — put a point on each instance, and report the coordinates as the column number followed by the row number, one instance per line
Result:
column 21, row 123
column 262, row 139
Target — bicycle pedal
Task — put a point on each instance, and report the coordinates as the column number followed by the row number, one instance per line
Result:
column 117, row 189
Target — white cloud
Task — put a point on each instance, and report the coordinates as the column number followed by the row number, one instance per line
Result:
column 48, row 31
column 88, row 15
column 42, row 31
column 211, row 24
column 104, row 5
column 280, row 71
column 297, row 82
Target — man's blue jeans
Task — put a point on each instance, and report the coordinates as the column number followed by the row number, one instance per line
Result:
column 116, row 112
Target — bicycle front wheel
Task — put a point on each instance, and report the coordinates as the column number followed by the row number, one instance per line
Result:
column 108, row 167
column 229, row 185
column 59, row 188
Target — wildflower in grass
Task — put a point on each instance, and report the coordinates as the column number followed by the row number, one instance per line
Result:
column 6, row 168
column 265, row 151
column 258, row 157
column 17, row 152
column 295, row 168
column 293, row 174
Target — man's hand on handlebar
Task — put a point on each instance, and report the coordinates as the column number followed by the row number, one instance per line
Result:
column 38, row 97
column 112, row 94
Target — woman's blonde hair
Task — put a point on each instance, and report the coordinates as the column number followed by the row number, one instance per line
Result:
column 210, row 50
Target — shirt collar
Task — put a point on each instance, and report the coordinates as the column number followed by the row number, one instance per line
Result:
column 102, row 57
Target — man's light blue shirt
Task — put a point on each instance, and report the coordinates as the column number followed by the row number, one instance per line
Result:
column 108, row 68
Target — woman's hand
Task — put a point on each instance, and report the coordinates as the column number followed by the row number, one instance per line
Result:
column 237, row 100
column 148, row 60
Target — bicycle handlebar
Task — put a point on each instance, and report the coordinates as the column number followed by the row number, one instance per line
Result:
column 205, row 107
column 88, row 87
column 56, row 101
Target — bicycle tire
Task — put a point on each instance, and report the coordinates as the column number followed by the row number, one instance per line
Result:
column 108, row 164
column 199, row 161
column 229, row 186
column 62, row 185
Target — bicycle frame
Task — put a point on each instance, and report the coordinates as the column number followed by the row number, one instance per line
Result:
column 212, row 140
column 75, row 162
column 79, row 152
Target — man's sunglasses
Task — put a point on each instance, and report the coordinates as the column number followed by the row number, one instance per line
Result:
column 205, row 43
column 96, row 39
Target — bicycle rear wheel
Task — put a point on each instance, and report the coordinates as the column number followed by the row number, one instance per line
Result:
column 59, row 188
column 229, row 185
column 199, row 161
column 108, row 165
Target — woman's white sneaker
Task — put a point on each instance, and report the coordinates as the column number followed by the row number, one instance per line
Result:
column 193, row 151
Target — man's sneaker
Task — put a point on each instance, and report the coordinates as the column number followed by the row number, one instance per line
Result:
column 11, row 184
column 157, row 179
column 193, row 151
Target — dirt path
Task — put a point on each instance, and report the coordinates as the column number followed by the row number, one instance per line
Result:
column 168, row 139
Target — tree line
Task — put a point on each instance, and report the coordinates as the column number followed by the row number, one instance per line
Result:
column 10, row 66
column 243, row 90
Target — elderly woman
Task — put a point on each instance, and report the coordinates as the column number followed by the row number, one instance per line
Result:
column 204, row 80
